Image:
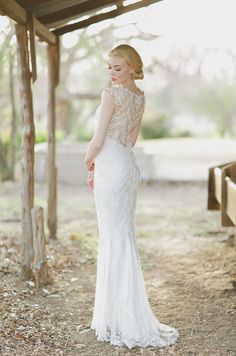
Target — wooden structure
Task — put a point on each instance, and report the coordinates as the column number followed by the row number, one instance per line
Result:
column 222, row 192
column 48, row 19
column 230, row 198
column 40, row 266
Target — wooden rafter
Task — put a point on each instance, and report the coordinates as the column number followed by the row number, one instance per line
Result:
column 43, row 7
column 101, row 17
column 73, row 11
column 17, row 13
column 119, row 3
column 55, row 13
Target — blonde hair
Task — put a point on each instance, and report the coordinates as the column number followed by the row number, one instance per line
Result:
column 131, row 56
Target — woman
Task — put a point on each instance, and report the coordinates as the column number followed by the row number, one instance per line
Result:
column 122, row 314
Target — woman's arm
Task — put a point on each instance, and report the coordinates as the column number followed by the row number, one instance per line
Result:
column 97, row 141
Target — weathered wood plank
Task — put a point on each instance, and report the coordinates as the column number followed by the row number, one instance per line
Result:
column 218, row 184
column 72, row 11
column 13, row 10
column 231, row 199
column 16, row 12
column 213, row 201
column 230, row 172
column 102, row 17
column 44, row 33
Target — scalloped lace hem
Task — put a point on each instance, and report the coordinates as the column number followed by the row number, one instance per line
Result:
column 160, row 339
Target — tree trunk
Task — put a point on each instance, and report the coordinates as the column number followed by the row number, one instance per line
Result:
column 3, row 161
column 13, row 119
column 27, row 161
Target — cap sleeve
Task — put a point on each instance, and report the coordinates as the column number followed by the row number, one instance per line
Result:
column 112, row 91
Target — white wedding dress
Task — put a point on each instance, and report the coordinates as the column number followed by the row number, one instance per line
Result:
column 122, row 314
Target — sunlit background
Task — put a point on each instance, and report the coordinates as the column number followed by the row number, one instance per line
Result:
column 188, row 49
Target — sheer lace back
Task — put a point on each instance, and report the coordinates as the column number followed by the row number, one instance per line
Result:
column 129, row 108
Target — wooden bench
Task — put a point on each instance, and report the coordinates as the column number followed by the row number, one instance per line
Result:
column 229, row 190
column 221, row 195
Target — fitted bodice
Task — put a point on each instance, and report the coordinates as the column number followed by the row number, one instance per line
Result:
column 129, row 108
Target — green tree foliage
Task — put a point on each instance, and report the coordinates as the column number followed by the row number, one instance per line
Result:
column 7, row 102
column 217, row 99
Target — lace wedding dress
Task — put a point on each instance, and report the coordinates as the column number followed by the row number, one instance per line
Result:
column 122, row 314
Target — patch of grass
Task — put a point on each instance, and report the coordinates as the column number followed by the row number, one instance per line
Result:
column 90, row 243
column 9, row 208
column 6, row 228
column 146, row 233
column 88, row 240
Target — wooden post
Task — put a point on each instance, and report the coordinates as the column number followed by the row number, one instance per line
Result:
column 52, row 170
column 27, row 161
column 32, row 32
column 40, row 268
column 212, row 203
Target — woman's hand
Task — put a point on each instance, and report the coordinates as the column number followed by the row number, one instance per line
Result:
column 90, row 164
column 90, row 179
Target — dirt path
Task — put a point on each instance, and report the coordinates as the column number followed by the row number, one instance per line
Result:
column 188, row 262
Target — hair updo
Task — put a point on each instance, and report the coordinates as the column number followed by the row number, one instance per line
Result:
column 131, row 56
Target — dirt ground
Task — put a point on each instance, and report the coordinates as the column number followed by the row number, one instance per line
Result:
column 188, row 261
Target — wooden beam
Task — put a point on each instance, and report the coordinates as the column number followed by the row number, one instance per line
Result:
column 213, row 203
column 228, row 171
column 44, row 33
column 231, row 199
column 38, row 6
column 73, row 11
column 51, row 165
column 119, row 3
column 31, row 28
column 27, row 160
column 14, row 11
column 17, row 13
column 101, row 17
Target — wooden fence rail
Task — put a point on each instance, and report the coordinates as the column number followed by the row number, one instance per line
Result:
column 222, row 192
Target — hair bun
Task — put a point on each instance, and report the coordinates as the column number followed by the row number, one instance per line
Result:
column 138, row 74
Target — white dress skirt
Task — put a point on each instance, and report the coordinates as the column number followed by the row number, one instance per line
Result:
column 122, row 314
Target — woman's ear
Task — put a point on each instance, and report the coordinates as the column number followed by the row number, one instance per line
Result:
column 131, row 69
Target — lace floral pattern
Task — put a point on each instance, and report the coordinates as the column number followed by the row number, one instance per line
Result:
column 129, row 111
column 122, row 314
